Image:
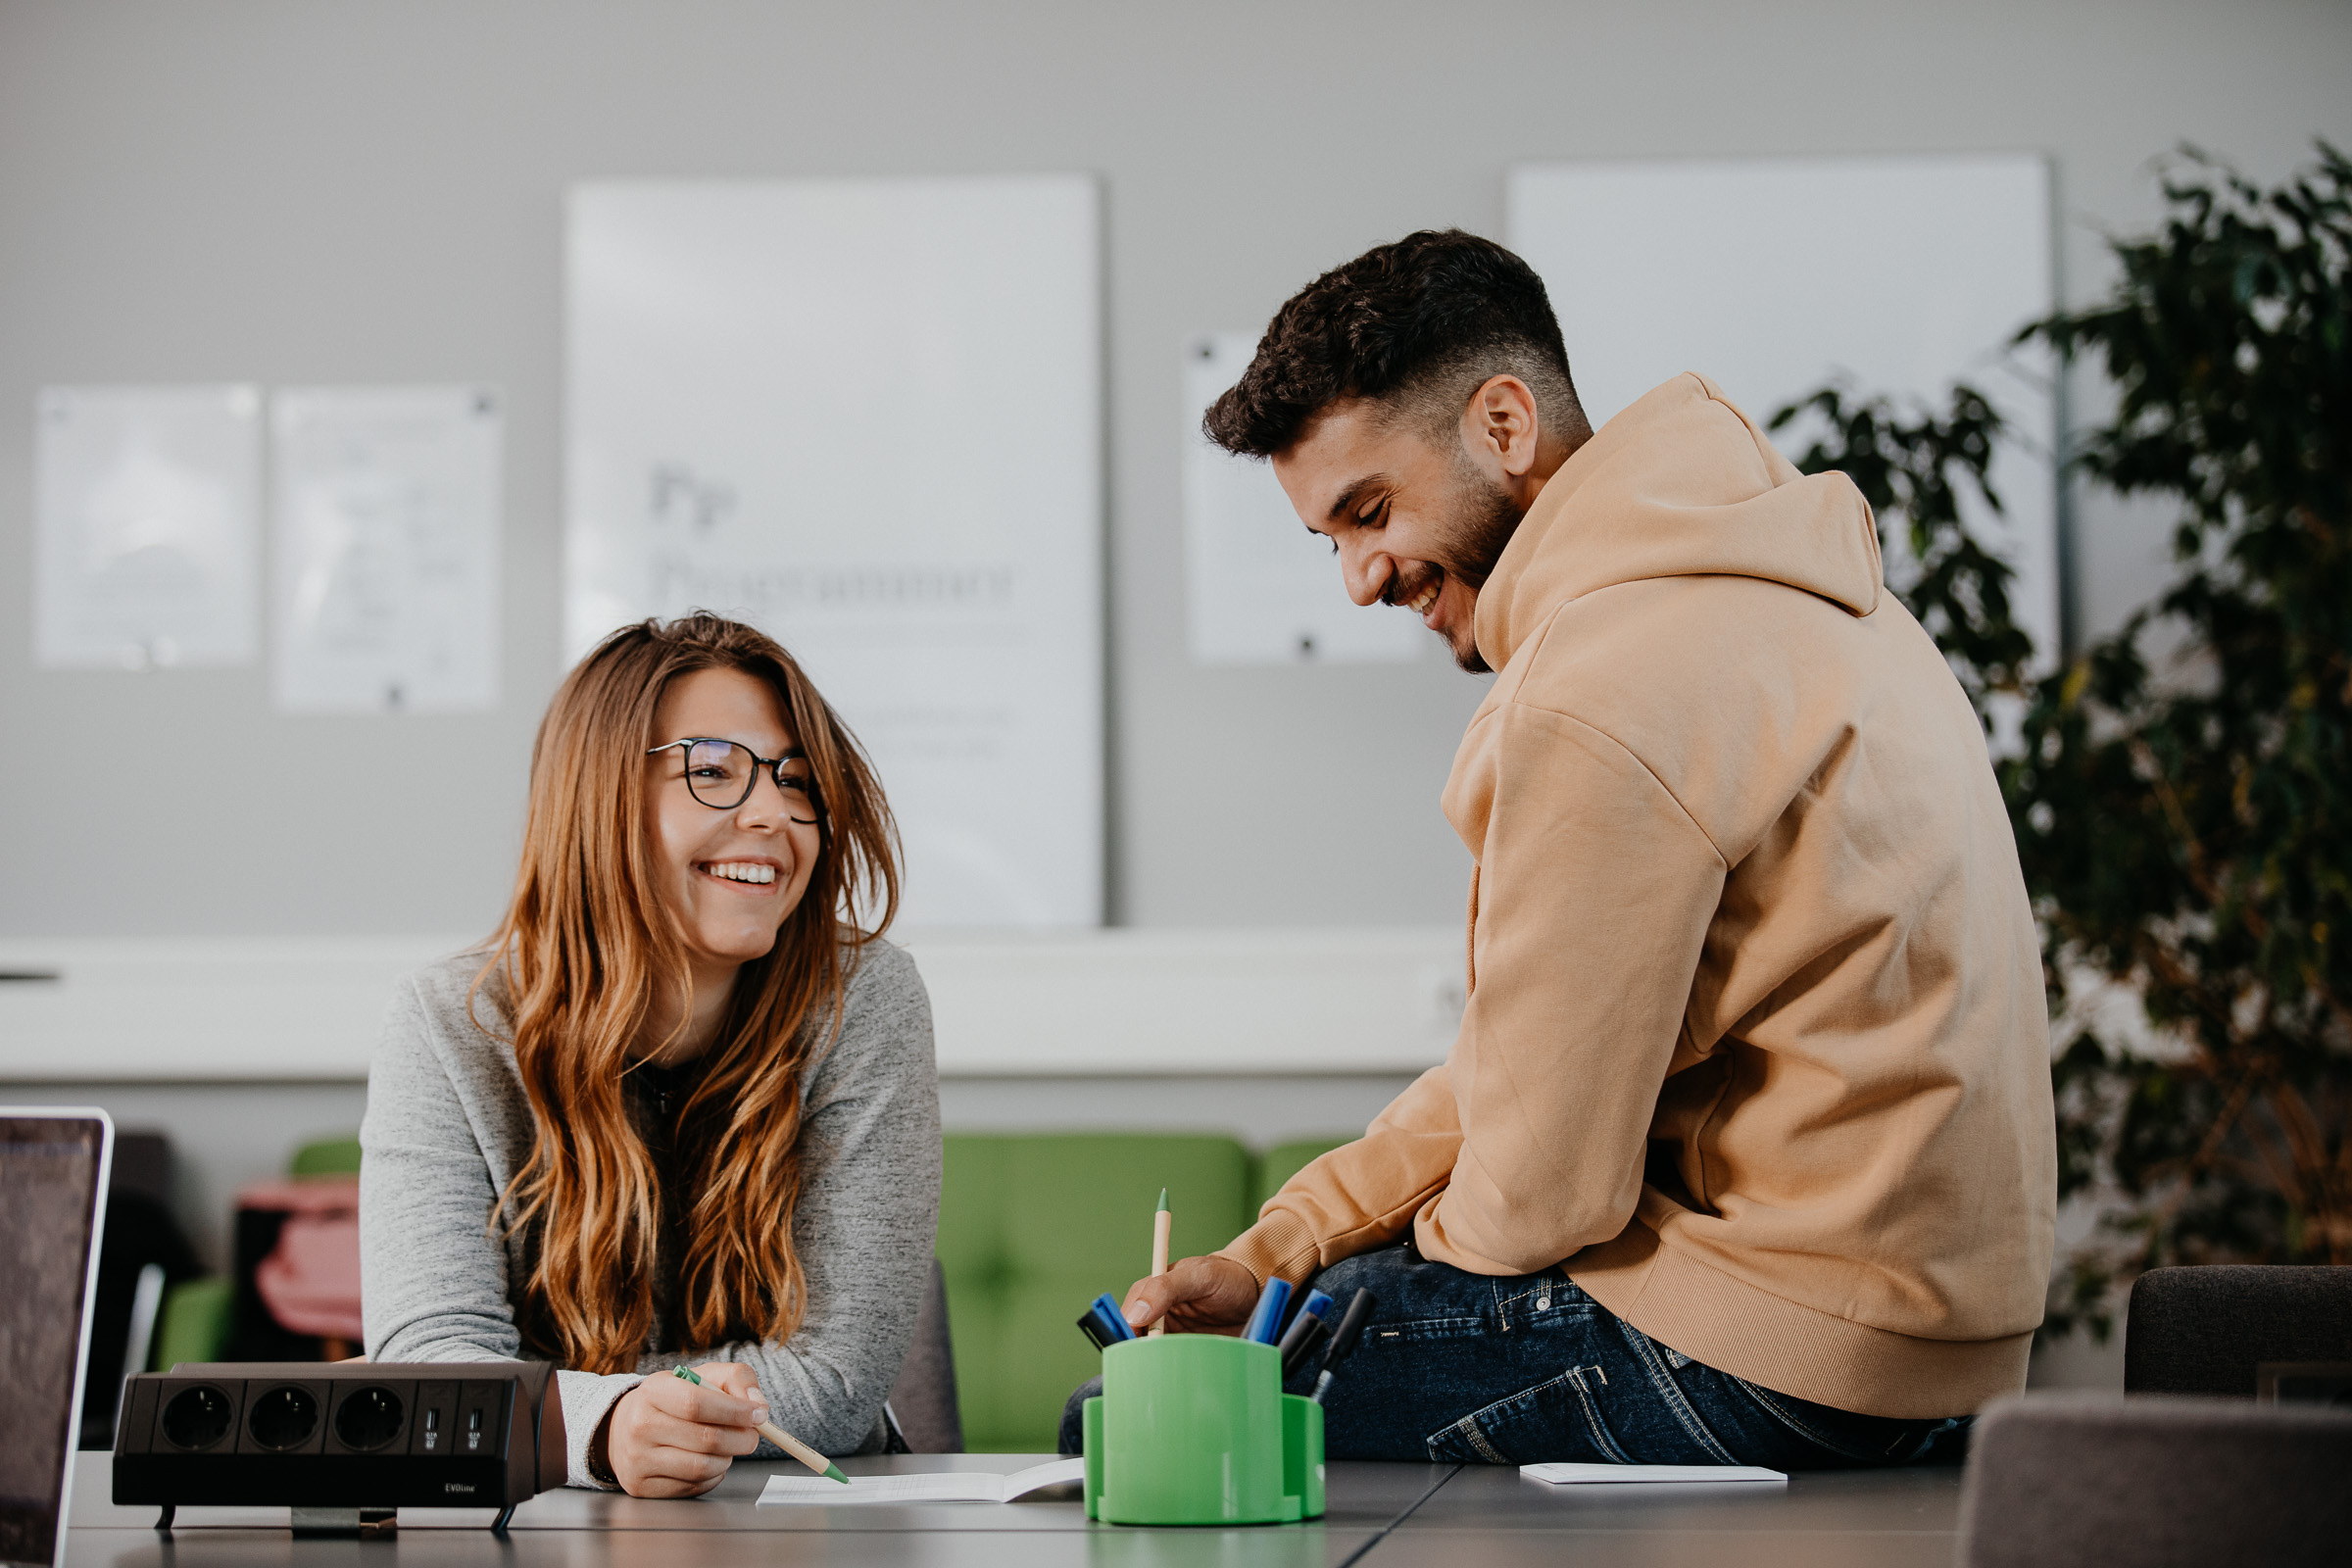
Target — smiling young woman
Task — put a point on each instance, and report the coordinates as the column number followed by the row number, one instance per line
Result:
column 686, row 1085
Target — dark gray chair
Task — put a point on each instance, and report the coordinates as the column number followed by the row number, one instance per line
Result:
column 2205, row 1329
column 144, row 1252
column 2091, row 1481
column 922, row 1401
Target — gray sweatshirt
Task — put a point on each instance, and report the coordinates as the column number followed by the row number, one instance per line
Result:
column 448, row 1125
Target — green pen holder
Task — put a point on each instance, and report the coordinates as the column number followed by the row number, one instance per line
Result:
column 1194, row 1428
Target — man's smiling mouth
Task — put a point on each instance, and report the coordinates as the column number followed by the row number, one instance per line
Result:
column 1423, row 599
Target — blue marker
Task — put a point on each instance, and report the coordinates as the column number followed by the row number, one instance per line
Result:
column 1268, row 1316
column 1106, row 1311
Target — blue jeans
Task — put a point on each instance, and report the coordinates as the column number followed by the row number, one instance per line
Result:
column 1487, row 1370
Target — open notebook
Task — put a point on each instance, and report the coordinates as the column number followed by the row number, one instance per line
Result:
column 951, row 1486
column 1618, row 1475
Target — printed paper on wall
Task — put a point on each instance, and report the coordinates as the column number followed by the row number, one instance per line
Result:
column 1260, row 588
column 386, row 580
column 144, row 548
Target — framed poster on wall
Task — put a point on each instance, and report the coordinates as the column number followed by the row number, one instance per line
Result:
column 865, row 415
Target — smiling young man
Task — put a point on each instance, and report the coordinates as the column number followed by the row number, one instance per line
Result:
column 1744, row 1153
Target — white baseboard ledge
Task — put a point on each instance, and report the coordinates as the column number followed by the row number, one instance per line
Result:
column 1083, row 1004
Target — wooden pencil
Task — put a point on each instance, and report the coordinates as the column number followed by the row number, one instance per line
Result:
column 783, row 1439
column 1159, row 1250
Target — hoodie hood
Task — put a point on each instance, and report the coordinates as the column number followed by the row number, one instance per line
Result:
column 1680, row 484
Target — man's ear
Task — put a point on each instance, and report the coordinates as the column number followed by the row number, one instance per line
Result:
column 1501, row 424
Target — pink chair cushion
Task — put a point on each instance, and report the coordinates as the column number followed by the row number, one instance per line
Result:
column 310, row 1279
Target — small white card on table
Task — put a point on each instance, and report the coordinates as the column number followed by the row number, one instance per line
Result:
column 1573, row 1475
column 951, row 1485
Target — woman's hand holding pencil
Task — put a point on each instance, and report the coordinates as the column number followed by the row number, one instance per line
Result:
column 674, row 1437
column 776, row 1434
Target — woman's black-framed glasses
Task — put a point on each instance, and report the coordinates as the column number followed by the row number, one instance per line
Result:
column 721, row 774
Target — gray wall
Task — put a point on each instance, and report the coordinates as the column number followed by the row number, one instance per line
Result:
column 313, row 190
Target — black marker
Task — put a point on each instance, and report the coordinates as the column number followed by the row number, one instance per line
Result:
column 1343, row 1339
column 1303, row 1346
column 1308, row 1325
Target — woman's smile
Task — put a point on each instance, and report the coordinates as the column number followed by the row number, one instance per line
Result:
column 753, row 875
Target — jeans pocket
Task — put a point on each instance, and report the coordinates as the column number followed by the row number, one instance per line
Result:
column 1867, row 1439
column 1559, row 1419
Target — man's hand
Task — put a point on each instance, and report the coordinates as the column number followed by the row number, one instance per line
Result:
column 1197, row 1295
column 669, row 1437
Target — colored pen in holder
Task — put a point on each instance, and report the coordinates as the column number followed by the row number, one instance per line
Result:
column 1308, row 1327
column 1265, row 1320
column 1194, row 1428
column 1103, row 1323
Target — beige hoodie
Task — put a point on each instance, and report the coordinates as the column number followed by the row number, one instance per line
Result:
column 1757, row 1040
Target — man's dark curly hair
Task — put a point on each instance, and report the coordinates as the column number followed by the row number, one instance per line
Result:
column 1419, row 325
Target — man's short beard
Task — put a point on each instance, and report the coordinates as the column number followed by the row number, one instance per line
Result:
column 1471, row 540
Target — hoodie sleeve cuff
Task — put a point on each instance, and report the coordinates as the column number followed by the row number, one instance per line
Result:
column 1281, row 1243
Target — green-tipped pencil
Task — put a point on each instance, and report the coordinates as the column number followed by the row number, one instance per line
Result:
column 1160, row 1249
column 783, row 1439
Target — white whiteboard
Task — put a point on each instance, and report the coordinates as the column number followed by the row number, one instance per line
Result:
column 1261, row 589
column 1773, row 276
column 865, row 415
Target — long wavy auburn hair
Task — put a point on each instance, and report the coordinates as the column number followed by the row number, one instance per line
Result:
column 585, row 946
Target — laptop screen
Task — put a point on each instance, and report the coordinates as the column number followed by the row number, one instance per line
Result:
column 52, row 1175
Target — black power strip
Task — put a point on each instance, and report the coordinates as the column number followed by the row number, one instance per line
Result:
column 319, row 1435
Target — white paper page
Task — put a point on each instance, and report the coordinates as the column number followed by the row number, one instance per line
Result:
column 144, row 547
column 1617, row 1475
column 384, row 585
column 955, row 1486
column 1261, row 589
column 864, row 414
column 1773, row 276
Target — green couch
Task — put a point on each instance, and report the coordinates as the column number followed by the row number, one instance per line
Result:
column 1032, row 1227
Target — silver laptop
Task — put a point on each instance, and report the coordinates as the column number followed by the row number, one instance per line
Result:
column 54, row 1162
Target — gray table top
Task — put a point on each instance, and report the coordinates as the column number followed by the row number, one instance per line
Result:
column 1490, row 1515
column 1483, row 1514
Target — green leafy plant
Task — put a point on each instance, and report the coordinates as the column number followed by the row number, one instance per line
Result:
column 2185, row 824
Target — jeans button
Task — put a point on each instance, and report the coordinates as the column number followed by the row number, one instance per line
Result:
column 1543, row 1303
